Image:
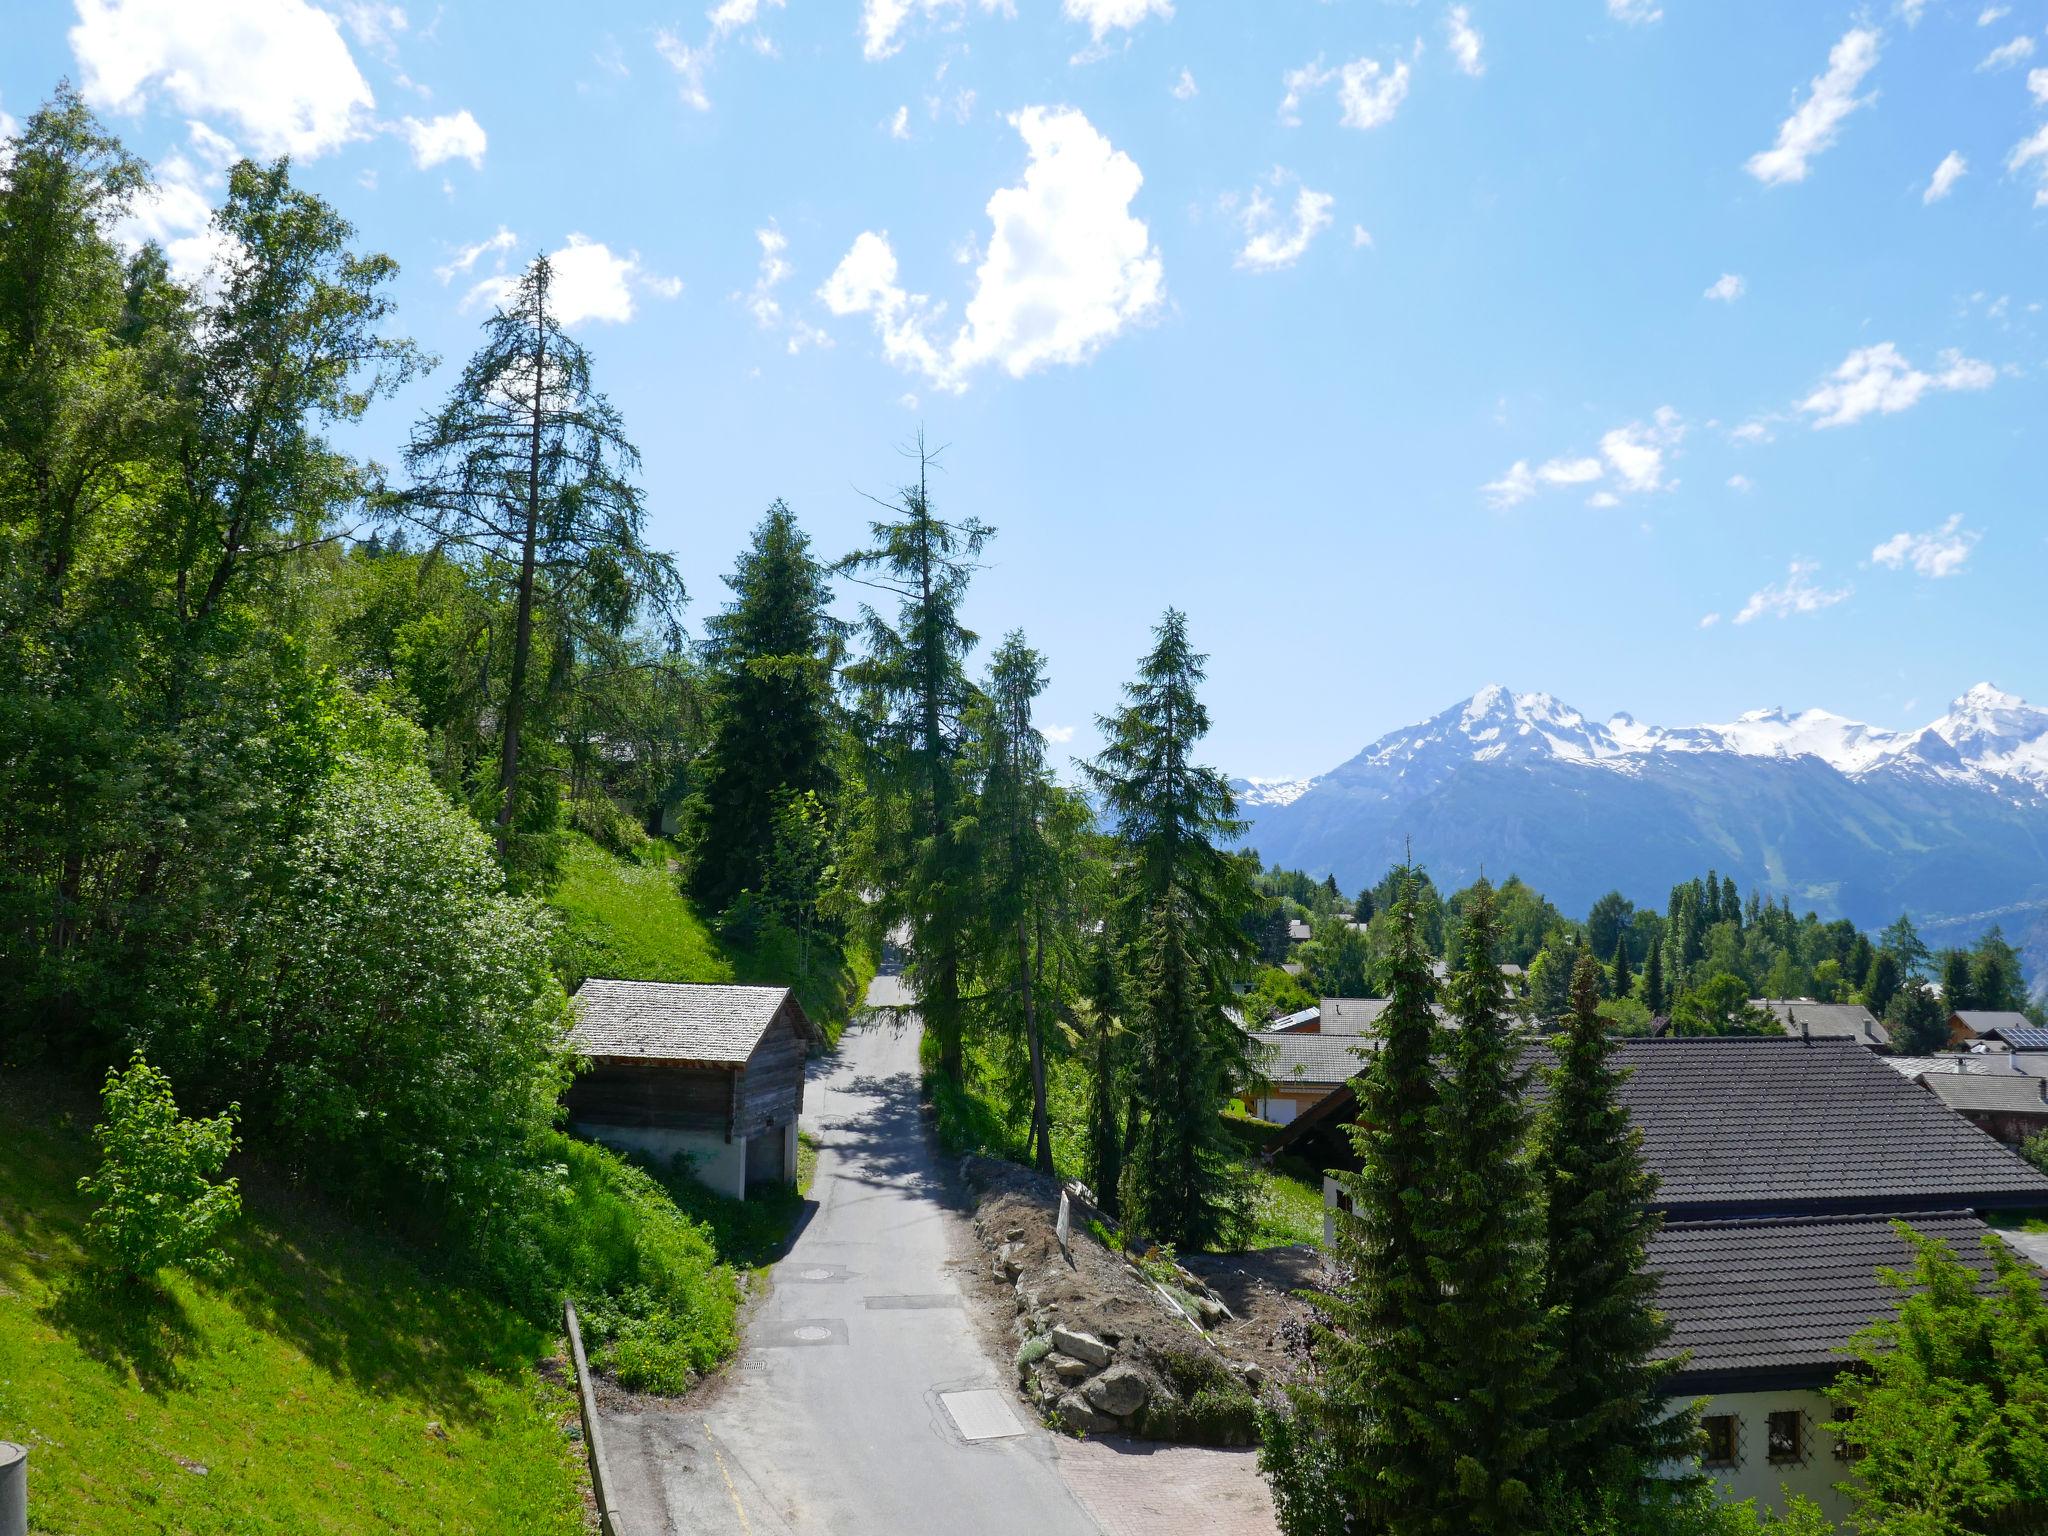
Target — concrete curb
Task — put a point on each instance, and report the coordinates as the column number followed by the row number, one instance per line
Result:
column 608, row 1523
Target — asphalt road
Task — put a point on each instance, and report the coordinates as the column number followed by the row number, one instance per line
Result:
column 835, row 1417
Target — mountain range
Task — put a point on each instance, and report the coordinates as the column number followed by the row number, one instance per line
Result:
column 1948, row 822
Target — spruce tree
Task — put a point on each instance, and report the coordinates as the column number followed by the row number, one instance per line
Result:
column 913, row 695
column 1182, row 894
column 770, row 656
column 1624, row 980
column 1880, row 982
column 1655, row 998
column 1361, row 1411
column 1958, row 986
column 1917, row 1021
column 1488, row 1360
column 1610, row 1425
column 1102, row 1052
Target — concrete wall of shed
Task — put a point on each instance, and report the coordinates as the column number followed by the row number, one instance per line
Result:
column 1756, row 1476
column 718, row 1164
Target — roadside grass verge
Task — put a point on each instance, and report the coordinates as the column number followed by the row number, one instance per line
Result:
column 625, row 915
column 329, row 1381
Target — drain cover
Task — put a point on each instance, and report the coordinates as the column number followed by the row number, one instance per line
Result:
column 801, row 1332
column 814, row 1274
column 981, row 1415
column 913, row 1303
column 811, row 1333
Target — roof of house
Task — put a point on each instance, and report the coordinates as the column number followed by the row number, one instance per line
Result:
column 1297, row 930
column 2010, row 1093
column 1311, row 1060
column 1351, row 1015
column 1920, row 1066
column 1299, row 1019
column 2021, row 1037
column 1826, row 1021
column 676, row 1021
column 1980, row 1020
column 1773, row 1301
column 1737, row 1124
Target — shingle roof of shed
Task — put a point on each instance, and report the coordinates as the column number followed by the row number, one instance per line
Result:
column 1978, row 1020
column 1996, row 1092
column 1779, row 1298
column 1748, row 1123
column 673, row 1021
column 1826, row 1021
column 1307, row 1060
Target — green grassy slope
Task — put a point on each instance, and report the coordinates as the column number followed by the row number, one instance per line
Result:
column 627, row 917
column 327, row 1383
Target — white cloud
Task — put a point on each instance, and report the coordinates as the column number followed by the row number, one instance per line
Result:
column 1465, row 40
column 176, row 213
column 689, row 64
column 9, row 129
column 279, row 69
column 1630, row 462
column 1946, row 175
column 466, row 257
column 1741, row 483
column 1367, row 93
column 1058, row 735
column 2037, row 86
column 1067, row 266
column 1750, row 432
column 1910, row 10
column 1273, row 242
column 2033, row 150
column 591, row 282
column 730, row 16
column 1709, row 620
column 1879, row 380
column 1940, row 553
column 1185, row 89
column 762, row 303
column 1106, row 16
column 452, row 136
column 1727, row 288
column 882, row 21
column 1798, row 593
column 1635, row 12
column 1360, row 237
column 899, row 125
column 1815, row 123
column 2005, row 56
column 1992, row 13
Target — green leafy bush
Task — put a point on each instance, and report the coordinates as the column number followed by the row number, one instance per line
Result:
column 157, row 1202
column 2035, row 1151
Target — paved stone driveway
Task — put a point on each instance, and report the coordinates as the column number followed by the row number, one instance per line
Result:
column 1135, row 1488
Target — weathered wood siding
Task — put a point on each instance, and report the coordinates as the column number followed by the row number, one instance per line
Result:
column 771, row 1089
column 653, row 1093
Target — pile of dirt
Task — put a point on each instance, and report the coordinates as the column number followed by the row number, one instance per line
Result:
column 1149, row 1348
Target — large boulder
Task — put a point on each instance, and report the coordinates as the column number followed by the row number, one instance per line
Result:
column 1121, row 1390
column 1081, row 1346
column 1078, row 1416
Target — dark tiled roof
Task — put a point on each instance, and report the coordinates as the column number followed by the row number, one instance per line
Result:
column 1290, row 1060
column 673, row 1021
column 1980, row 1020
column 1995, row 1092
column 1826, row 1021
column 1742, row 1125
column 1773, row 1302
column 1351, row 1015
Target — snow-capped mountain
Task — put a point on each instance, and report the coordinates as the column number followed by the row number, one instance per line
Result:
column 1949, row 821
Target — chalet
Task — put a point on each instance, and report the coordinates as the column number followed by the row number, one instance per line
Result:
column 1298, row 932
column 1967, row 1024
column 714, row 1073
column 1781, row 1163
column 2010, row 1105
column 1300, row 1070
column 1808, row 1020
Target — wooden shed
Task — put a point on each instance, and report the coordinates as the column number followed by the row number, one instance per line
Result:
column 713, row 1072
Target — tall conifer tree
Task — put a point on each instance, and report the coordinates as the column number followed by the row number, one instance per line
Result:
column 770, row 655
column 1487, row 1365
column 1182, row 895
column 1624, row 976
column 1610, row 1425
column 1655, row 998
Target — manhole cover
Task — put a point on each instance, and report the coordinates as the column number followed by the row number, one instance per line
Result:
column 913, row 1303
column 814, row 1274
column 802, row 1333
column 810, row 1333
column 981, row 1415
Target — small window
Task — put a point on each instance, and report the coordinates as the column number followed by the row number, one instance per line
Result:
column 1723, row 1432
column 1787, row 1438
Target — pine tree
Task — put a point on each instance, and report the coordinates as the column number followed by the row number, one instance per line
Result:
column 914, row 693
column 1731, row 903
column 770, row 655
column 1624, row 976
column 1181, row 896
column 1958, row 986
column 1610, row 1425
column 1102, row 1042
column 1996, row 981
column 1880, row 982
column 1361, row 1410
column 1488, row 1363
column 1655, row 998
column 1917, row 1021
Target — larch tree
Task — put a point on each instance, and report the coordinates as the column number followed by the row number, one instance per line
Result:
column 527, row 469
column 913, row 695
column 1610, row 1424
column 1181, row 897
column 1486, row 1370
column 770, row 655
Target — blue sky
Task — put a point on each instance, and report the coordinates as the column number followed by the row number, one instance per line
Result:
column 1405, row 346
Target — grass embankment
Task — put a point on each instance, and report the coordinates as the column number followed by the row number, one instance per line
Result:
column 626, row 916
column 990, row 1113
column 327, row 1382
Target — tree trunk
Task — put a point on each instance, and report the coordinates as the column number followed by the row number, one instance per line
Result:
column 522, row 628
column 1041, row 1127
